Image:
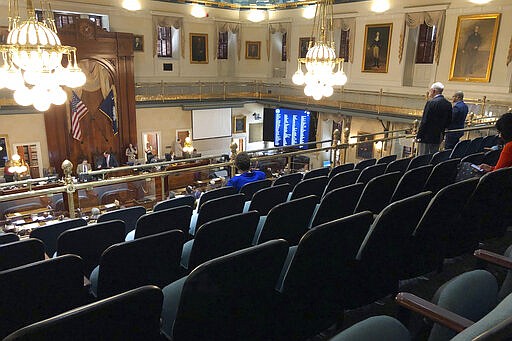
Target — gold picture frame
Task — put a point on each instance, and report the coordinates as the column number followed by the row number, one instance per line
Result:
column 253, row 50
column 239, row 123
column 5, row 153
column 377, row 43
column 474, row 47
column 4, row 32
column 138, row 43
column 198, row 48
column 304, row 45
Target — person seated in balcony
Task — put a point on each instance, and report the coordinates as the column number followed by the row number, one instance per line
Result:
column 504, row 128
column 243, row 164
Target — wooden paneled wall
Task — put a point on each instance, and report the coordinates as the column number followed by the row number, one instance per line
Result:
column 114, row 51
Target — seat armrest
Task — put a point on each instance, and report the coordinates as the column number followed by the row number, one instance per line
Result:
column 433, row 312
column 494, row 258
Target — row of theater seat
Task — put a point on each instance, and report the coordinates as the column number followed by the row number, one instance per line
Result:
column 325, row 255
column 359, row 217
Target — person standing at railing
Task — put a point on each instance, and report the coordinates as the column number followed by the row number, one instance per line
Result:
column 243, row 164
column 459, row 113
column 437, row 116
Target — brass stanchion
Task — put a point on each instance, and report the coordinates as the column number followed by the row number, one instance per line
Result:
column 233, row 146
column 415, row 125
column 336, row 135
column 67, row 168
column 346, row 135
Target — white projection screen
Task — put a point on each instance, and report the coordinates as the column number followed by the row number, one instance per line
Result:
column 211, row 123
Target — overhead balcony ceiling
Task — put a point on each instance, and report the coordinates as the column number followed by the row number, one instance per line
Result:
column 259, row 4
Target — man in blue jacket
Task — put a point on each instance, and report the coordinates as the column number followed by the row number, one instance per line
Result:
column 460, row 111
column 243, row 164
column 437, row 116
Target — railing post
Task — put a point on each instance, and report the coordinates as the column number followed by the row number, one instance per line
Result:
column 336, row 135
column 414, row 132
column 233, row 146
column 162, row 183
column 346, row 135
column 67, row 168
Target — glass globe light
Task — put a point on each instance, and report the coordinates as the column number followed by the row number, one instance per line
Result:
column 23, row 169
column 317, row 95
column 308, row 90
column 41, row 98
column 327, row 91
column 58, row 96
column 14, row 79
column 340, row 78
column 3, row 75
column 76, row 77
column 36, row 34
column 317, row 92
column 16, row 157
column 298, row 77
column 23, row 96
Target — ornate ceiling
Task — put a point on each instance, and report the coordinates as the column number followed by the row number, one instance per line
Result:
column 261, row 4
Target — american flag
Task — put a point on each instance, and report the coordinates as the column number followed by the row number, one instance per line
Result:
column 78, row 111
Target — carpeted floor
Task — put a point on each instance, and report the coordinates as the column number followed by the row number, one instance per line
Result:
column 424, row 288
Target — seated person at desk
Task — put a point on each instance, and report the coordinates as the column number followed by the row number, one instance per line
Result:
column 243, row 164
column 82, row 170
column 108, row 161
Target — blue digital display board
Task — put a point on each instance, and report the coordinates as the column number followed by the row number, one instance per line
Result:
column 291, row 127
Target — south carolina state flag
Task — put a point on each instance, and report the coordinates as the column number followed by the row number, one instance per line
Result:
column 108, row 107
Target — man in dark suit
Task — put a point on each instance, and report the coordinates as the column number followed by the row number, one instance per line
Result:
column 460, row 111
column 437, row 116
column 108, row 161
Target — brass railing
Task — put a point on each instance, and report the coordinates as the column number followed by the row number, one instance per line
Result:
column 376, row 102
column 67, row 187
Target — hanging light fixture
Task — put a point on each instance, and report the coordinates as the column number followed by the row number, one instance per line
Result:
column 324, row 69
column 31, row 60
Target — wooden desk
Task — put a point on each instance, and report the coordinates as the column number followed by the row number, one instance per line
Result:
column 185, row 178
column 35, row 187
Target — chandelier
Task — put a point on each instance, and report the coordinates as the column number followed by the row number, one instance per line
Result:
column 17, row 166
column 324, row 70
column 32, row 59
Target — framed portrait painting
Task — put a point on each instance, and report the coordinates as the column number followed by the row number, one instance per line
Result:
column 473, row 50
column 198, row 48
column 252, row 49
column 4, row 32
column 138, row 43
column 364, row 150
column 377, row 41
column 239, row 124
column 304, row 45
